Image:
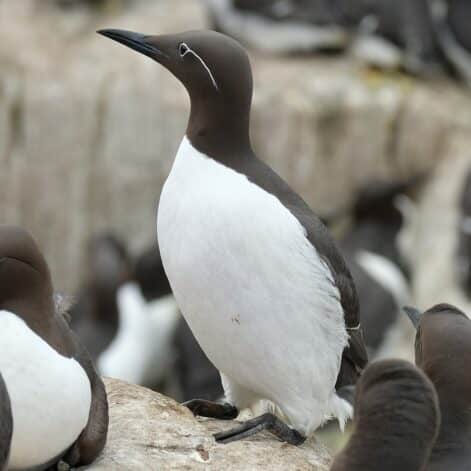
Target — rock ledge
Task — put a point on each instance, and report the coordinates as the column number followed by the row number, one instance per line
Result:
column 149, row 431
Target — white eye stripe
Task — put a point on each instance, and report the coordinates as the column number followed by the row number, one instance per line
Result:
column 189, row 50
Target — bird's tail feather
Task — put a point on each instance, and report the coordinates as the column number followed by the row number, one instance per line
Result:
column 341, row 410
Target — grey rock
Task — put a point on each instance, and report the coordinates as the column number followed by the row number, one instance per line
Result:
column 149, row 431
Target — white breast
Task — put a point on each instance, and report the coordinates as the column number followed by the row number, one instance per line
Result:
column 254, row 291
column 50, row 394
column 142, row 350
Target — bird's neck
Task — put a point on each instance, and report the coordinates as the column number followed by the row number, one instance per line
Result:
column 216, row 127
column 31, row 304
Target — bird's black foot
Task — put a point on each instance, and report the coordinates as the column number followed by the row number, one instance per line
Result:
column 214, row 410
column 265, row 422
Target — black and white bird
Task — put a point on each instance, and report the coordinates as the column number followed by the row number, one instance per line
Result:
column 396, row 422
column 254, row 271
column 94, row 314
column 142, row 350
column 443, row 351
column 372, row 251
column 58, row 402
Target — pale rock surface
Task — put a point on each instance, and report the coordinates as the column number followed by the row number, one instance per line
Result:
column 149, row 431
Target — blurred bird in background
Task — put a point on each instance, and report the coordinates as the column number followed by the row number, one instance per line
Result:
column 422, row 37
column 463, row 254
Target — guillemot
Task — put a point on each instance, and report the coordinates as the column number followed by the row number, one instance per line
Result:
column 256, row 274
column 370, row 246
column 142, row 350
column 94, row 315
column 6, row 425
column 443, row 351
column 396, row 420
column 58, row 402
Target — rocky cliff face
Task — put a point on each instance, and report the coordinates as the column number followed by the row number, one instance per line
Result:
column 88, row 130
column 150, row 431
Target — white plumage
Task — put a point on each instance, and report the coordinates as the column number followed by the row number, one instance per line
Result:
column 256, row 294
column 50, row 394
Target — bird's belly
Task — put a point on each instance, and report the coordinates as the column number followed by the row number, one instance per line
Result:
column 258, row 298
column 50, row 395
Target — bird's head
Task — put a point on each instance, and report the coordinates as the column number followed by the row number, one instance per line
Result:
column 216, row 72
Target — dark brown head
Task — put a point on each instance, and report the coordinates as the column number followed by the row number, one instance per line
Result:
column 216, row 72
column 25, row 280
column 26, row 287
column 396, row 419
column 443, row 350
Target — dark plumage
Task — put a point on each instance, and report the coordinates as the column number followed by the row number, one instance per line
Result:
column 150, row 275
column 94, row 315
column 463, row 254
column 443, row 351
column 396, row 420
column 197, row 377
column 376, row 221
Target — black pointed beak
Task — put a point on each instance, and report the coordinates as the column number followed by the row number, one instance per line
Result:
column 413, row 314
column 138, row 42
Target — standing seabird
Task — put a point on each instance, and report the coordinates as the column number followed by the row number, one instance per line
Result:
column 58, row 402
column 254, row 271
column 6, row 425
column 396, row 420
column 443, row 351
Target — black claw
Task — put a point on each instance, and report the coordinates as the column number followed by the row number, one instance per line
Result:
column 214, row 410
column 267, row 422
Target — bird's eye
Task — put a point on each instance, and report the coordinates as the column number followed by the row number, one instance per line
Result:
column 183, row 49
